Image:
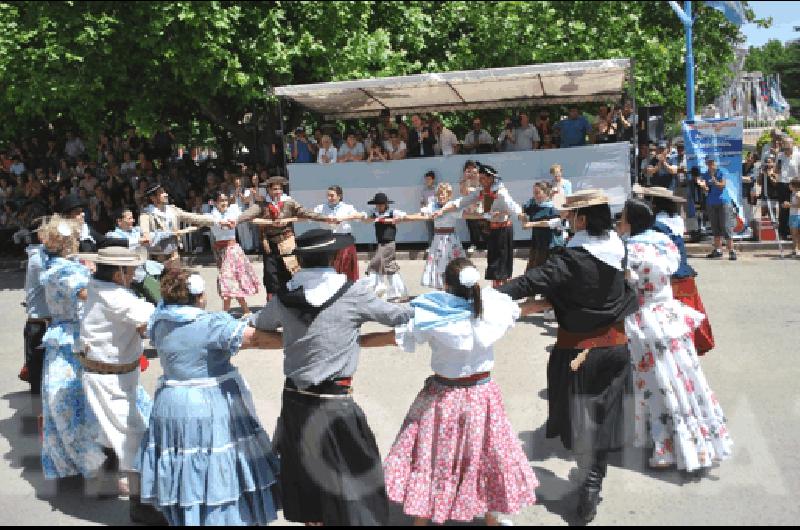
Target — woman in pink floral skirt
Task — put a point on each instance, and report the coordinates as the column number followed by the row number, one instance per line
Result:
column 457, row 456
column 237, row 278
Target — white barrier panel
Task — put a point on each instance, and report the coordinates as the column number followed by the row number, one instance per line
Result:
column 604, row 166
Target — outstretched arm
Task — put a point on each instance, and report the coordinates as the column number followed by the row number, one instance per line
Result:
column 378, row 339
column 262, row 340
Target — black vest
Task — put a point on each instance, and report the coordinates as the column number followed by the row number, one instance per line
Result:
column 385, row 233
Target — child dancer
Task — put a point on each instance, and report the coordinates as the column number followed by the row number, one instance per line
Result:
column 456, row 456
column 541, row 215
column 383, row 269
column 346, row 261
column 237, row 278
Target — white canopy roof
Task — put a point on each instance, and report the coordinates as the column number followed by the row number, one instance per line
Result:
column 542, row 84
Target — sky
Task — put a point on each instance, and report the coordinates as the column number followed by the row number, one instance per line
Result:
column 785, row 15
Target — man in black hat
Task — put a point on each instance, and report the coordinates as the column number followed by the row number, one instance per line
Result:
column 383, row 270
column 331, row 470
column 160, row 221
column 275, row 217
column 73, row 207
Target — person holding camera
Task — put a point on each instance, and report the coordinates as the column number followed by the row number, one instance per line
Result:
column 304, row 150
column 478, row 140
column 519, row 134
column 719, row 208
column 660, row 171
column 605, row 128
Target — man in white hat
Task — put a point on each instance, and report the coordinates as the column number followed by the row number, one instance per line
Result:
column 111, row 345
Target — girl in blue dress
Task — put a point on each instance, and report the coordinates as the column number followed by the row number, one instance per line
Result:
column 205, row 458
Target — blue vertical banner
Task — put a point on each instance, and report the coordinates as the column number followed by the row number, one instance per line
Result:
column 721, row 140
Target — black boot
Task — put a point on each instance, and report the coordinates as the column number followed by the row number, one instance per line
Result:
column 590, row 495
column 145, row 513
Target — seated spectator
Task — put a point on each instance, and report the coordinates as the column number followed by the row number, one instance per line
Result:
column 402, row 130
column 89, row 180
column 519, row 135
column 352, row 150
column 327, row 152
column 420, row 138
column 574, row 129
column 144, row 163
column 128, row 166
column 478, row 140
column 9, row 218
column 17, row 165
column 396, row 148
column 304, row 150
column 74, row 147
column 547, row 142
column 6, row 190
column 446, row 142
column 377, row 154
column 373, row 138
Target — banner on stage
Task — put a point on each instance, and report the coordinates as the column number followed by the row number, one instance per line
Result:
column 605, row 166
column 719, row 139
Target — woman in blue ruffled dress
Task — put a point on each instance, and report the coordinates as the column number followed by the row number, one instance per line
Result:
column 205, row 458
column 71, row 434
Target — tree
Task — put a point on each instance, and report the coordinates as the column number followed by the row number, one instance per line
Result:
column 776, row 58
column 208, row 64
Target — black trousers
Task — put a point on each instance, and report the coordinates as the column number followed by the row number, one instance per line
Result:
column 476, row 237
column 784, row 195
column 276, row 275
column 34, row 353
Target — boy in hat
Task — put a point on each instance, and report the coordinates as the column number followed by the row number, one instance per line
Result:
column 383, row 270
column 499, row 210
column 331, row 470
column 275, row 217
column 111, row 334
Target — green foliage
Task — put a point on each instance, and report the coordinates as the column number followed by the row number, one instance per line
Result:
column 202, row 65
column 775, row 57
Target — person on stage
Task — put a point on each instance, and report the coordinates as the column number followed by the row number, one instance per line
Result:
column 668, row 221
column 237, row 278
column 205, row 460
column 499, row 209
column 677, row 413
column 383, row 270
column 589, row 370
column 331, row 471
column 275, row 220
column 346, row 261
column 111, row 345
column 457, row 457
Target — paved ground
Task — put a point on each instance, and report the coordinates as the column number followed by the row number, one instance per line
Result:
column 754, row 306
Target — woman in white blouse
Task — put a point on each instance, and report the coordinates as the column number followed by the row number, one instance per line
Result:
column 327, row 152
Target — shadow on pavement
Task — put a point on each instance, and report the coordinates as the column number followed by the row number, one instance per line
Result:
column 65, row 495
column 12, row 280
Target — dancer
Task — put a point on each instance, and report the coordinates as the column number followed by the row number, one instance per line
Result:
column 668, row 221
column 541, row 215
column 205, row 458
column 71, row 433
column 498, row 207
column 589, row 371
column 38, row 314
column 346, row 261
column 446, row 245
column 383, row 270
column 676, row 411
column 331, row 470
column 457, row 456
column 468, row 184
column 277, row 232
column 111, row 345
column 237, row 278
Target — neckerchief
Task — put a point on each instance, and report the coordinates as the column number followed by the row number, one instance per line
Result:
column 437, row 309
column 608, row 248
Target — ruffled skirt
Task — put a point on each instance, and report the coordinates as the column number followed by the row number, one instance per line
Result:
column 685, row 291
column 237, row 277
column 444, row 249
column 676, row 410
column 71, row 433
column 205, row 460
column 457, row 456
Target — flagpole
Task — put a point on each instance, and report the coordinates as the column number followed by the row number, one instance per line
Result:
column 687, row 8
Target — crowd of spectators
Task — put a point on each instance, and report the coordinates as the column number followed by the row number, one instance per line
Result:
column 424, row 136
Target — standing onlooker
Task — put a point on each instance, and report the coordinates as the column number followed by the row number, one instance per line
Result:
column 574, row 129
column 478, row 140
column 446, row 141
column 519, row 136
column 719, row 207
column 660, row 172
column 794, row 214
column 420, row 138
column 327, row 152
column 789, row 168
column 605, row 128
column 562, row 188
column 304, row 150
column 543, row 126
column 395, row 147
column 351, row 150
column 626, row 121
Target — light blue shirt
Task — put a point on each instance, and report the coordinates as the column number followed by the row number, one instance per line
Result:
column 573, row 132
column 133, row 236
column 35, row 299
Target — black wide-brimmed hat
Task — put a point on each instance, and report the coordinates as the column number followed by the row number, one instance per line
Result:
column 380, row 198
column 69, row 203
column 320, row 240
column 487, row 170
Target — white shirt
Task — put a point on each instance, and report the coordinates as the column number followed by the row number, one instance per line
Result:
column 331, row 152
column 464, row 348
column 391, row 149
column 231, row 214
column 340, row 210
column 447, row 220
column 108, row 329
column 790, row 165
column 445, row 143
column 503, row 203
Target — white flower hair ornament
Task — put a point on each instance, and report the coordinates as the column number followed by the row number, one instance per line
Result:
column 197, row 285
column 64, row 229
column 469, row 276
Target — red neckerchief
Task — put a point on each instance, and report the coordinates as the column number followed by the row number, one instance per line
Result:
column 275, row 209
column 490, row 194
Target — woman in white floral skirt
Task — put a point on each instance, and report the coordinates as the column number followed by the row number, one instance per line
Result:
column 677, row 413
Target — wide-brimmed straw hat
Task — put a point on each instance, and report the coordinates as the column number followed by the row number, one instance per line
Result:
column 657, row 191
column 116, row 257
column 320, row 240
column 585, row 199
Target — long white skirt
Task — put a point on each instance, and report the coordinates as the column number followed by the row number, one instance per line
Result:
column 444, row 249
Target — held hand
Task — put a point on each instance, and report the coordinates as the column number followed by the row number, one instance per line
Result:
column 437, row 214
column 497, row 215
column 144, row 240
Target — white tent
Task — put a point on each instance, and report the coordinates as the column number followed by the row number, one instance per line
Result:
column 543, row 84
